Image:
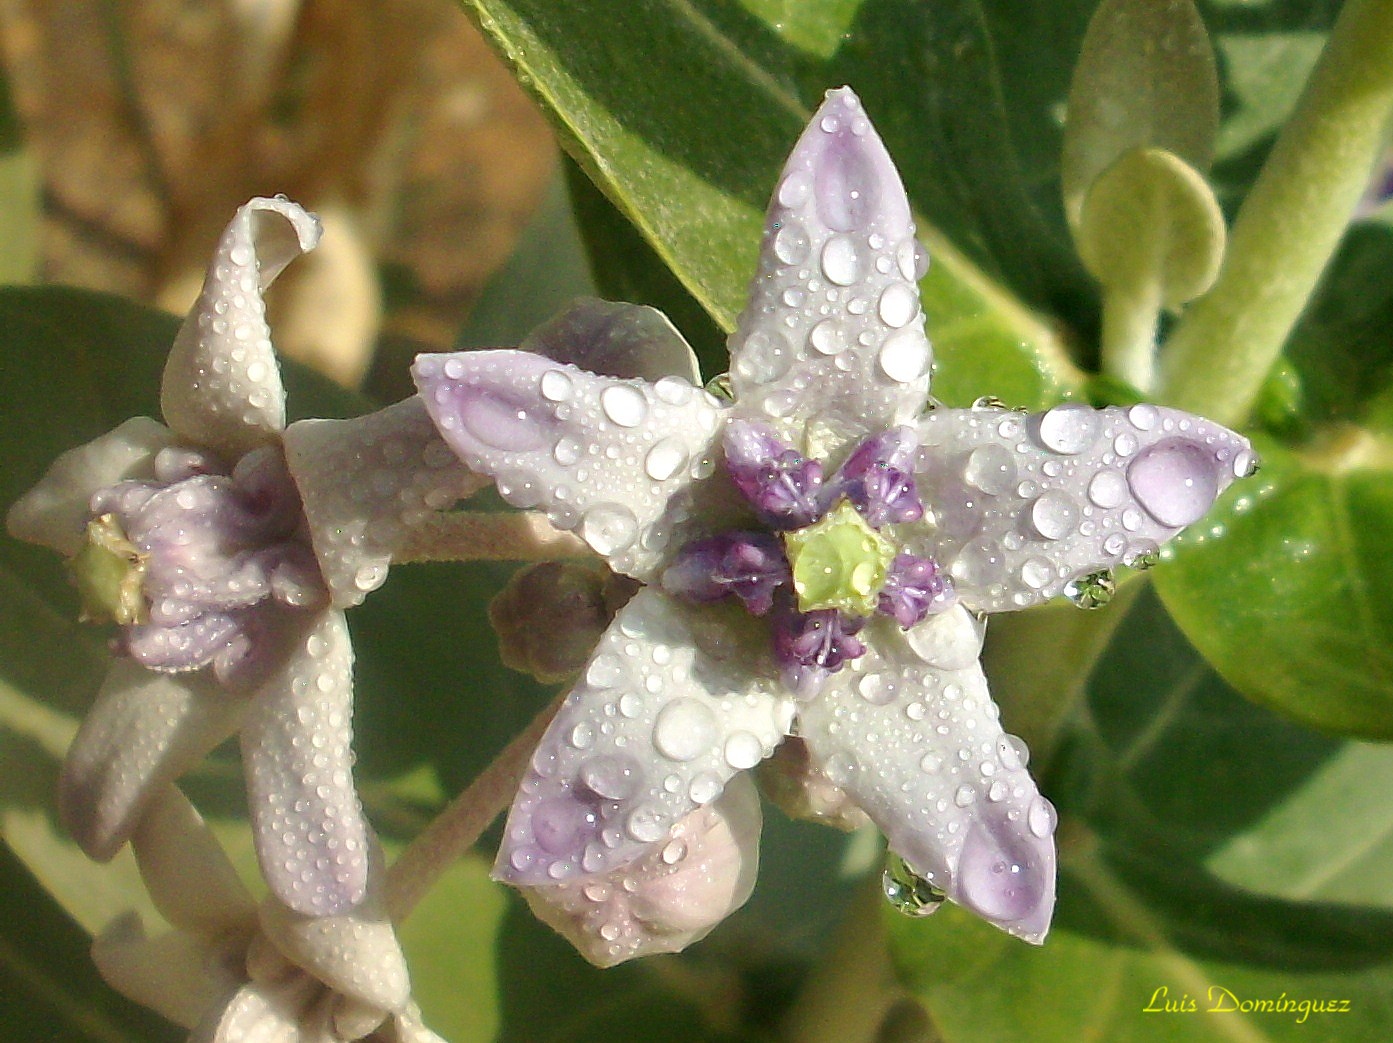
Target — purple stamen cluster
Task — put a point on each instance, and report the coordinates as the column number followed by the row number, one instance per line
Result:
column 787, row 492
column 225, row 554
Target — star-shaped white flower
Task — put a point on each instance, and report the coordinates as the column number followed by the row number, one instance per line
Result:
column 225, row 545
column 233, row 971
column 818, row 553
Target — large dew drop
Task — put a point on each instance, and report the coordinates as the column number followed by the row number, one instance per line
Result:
column 990, row 468
column 624, row 405
column 905, row 356
column 685, row 729
column 1174, row 481
column 665, row 459
column 608, row 528
column 1068, row 429
column 906, row 891
column 841, row 262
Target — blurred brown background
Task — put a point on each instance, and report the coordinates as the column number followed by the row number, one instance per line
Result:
column 152, row 121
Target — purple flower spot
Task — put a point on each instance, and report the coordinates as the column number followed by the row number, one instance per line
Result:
column 783, row 485
column 749, row 565
column 914, row 588
column 811, row 645
column 878, row 479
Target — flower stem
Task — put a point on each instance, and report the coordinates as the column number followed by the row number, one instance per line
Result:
column 487, row 536
column 456, row 829
column 1129, row 332
column 1290, row 223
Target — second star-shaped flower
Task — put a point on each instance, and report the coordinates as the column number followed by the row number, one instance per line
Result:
column 818, row 553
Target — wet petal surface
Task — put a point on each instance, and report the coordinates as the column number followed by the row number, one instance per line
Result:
column 614, row 460
column 1026, row 504
column 364, row 483
column 222, row 383
column 909, row 731
column 311, row 839
column 833, row 335
column 671, row 705
column 144, row 730
column 613, row 339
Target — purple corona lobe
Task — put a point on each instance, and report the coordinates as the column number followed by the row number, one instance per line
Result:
column 914, row 587
column 780, row 483
column 748, row 565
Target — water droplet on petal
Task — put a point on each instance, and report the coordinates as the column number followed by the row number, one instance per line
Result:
column 605, row 671
column 877, row 689
column 685, row 729
column 763, row 357
column 898, row 305
column 665, row 459
column 1041, row 818
column 791, row 243
column 841, row 261
column 905, row 356
column 1036, row 573
column 556, row 386
column 705, row 788
column 1068, row 429
column 793, row 190
column 1093, row 590
column 991, row 468
column 1174, row 481
column 743, row 750
column 624, row 405
column 608, row 528
column 646, row 824
column 1142, row 416
column 1108, row 489
column 828, row 337
column 1055, row 515
column 906, row 891
column 613, row 777
column 567, row 451
column 582, row 736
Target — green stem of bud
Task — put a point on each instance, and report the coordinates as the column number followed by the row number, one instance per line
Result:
column 1290, row 224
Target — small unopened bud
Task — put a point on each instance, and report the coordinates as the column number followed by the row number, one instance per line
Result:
column 551, row 615
column 800, row 790
column 670, row 898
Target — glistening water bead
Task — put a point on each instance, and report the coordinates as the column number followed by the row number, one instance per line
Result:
column 908, row 893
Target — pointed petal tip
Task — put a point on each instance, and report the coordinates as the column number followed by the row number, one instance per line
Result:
column 1006, row 873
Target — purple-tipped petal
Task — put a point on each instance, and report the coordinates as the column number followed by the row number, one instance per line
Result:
column 833, row 330
column 615, row 340
column 672, row 897
column 670, row 707
column 780, row 483
column 914, row 587
column 1026, row 504
column 222, row 383
column 747, row 565
column 310, row 835
column 614, row 460
column 364, row 483
column 55, row 512
column 144, row 730
column 910, row 732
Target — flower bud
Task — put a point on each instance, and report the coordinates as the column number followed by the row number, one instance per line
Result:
column 801, row 791
column 671, row 897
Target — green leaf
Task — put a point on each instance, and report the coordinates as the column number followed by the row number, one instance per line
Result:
column 1205, row 843
column 49, row 989
column 688, row 142
column 1284, row 592
column 1145, row 79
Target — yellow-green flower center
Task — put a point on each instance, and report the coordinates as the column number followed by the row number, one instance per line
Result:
column 110, row 575
column 838, row 562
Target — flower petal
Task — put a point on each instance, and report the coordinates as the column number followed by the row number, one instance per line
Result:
column 144, row 730
column 1026, row 504
column 364, row 482
column 355, row 953
column 615, row 340
column 177, row 975
column 260, row 1014
column 911, row 733
column 54, row 513
column 833, row 333
column 612, row 459
column 669, row 708
column 407, row 1027
column 670, row 898
column 222, row 383
column 186, row 871
column 296, row 745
